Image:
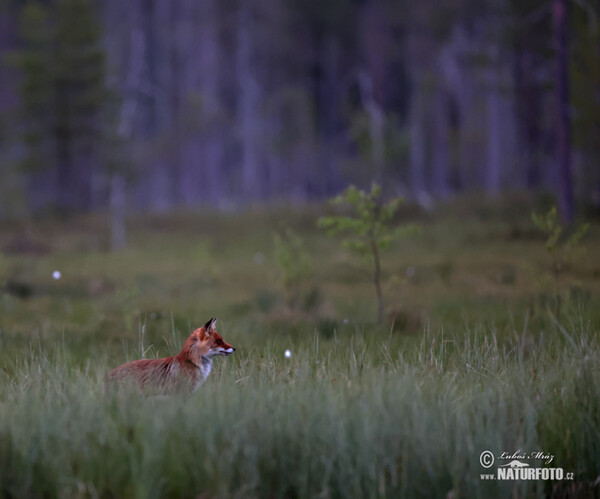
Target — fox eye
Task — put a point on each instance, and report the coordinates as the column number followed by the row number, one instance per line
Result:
column 219, row 342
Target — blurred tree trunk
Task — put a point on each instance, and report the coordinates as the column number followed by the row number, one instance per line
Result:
column 8, row 41
column 64, row 144
column 329, row 50
column 376, row 126
column 149, row 125
column 209, row 83
column 186, row 89
column 128, row 84
column 563, row 125
column 118, row 199
column 417, row 119
column 494, row 130
column 169, row 49
column 441, row 144
column 248, row 105
column 13, row 191
column 528, row 105
column 584, row 82
column 462, row 77
column 528, row 30
column 372, row 80
column 417, row 123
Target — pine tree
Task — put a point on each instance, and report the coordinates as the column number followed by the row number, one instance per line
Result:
column 63, row 95
column 36, row 84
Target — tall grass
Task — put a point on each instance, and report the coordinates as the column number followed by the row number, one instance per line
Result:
column 345, row 417
column 355, row 412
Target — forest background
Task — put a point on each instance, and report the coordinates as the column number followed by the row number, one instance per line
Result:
column 154, row 105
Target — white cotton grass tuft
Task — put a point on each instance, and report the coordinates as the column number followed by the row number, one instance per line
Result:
column 56, row 275
column 287, row 354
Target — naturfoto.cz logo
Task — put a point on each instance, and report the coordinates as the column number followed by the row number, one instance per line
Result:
column 515, row 466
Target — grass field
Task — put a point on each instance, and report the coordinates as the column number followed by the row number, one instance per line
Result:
column 473, row 356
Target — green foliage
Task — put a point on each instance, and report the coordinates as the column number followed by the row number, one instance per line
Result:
column 550, row 225
column 560, row 249
column 369, row 229
column 292, row 263
column 370, row 223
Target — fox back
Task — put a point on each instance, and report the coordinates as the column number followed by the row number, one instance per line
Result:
column 183, row 372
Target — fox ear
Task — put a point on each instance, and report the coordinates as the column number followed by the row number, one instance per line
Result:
column 210, row 324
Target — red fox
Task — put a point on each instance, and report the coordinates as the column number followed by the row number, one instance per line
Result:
column 183, row 372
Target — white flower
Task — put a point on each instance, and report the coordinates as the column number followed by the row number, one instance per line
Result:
column 56, row 275
column 287, row 354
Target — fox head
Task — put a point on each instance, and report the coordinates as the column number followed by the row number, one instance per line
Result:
column 210, row 337
column 205, row 342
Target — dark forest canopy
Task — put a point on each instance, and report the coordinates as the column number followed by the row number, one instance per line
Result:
column 157, row 104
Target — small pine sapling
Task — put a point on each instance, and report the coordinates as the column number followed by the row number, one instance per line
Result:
column 369, row 229
column 561, row 251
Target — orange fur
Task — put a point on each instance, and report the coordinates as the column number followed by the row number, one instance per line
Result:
column 185, row 371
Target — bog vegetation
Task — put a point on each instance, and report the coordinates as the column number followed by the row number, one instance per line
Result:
column 469, row 356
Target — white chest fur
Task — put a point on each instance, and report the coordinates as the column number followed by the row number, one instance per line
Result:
column 205, row 367
column 203, row 370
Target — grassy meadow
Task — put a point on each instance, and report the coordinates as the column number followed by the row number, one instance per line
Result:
column 475, row 354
